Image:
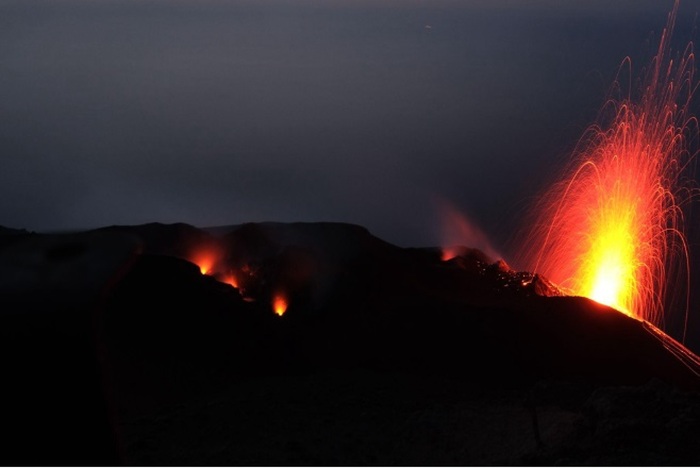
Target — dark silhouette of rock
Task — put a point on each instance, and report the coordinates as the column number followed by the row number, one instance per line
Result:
column 56, row 401
column 408, row 308
column 179, row 342
column 179, row 239
column 6, row 231
column 9, row 236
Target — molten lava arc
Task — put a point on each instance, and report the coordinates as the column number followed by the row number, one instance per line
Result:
column 612, row 229
column 279, row 304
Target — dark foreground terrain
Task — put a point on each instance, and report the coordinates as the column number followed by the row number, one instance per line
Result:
column 121, row 350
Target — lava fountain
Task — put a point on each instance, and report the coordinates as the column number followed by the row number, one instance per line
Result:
column 612, row 229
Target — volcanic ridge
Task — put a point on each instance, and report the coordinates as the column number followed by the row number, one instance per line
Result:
column 319, row 343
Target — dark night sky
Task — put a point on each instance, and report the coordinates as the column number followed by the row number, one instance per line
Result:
column 219, row 112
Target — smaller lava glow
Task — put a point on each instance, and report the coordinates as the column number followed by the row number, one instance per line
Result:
column 205, row 261
column 448, row 253
column 279, row 304
column 457, row 229
column 231, row 280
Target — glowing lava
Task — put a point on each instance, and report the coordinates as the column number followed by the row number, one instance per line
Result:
column 458, row 229
column 231, row 280
column 612, row 230
column 205, row 261
column 448, row 253
column 279, row 304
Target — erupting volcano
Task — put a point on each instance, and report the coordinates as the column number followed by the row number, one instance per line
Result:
column 324, row 343
column 613, row 228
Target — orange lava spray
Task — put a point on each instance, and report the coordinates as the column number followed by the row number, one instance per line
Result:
column 612, row 229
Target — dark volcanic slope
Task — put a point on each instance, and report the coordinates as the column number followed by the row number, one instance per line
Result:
column 383, row 356
column 355, row 300
column 9, row 235
column 178, row 239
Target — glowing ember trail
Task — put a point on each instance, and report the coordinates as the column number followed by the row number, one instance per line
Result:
column 612, row 230
column 279, row 304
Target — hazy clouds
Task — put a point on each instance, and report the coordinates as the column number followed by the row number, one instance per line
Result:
column 215, row 112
